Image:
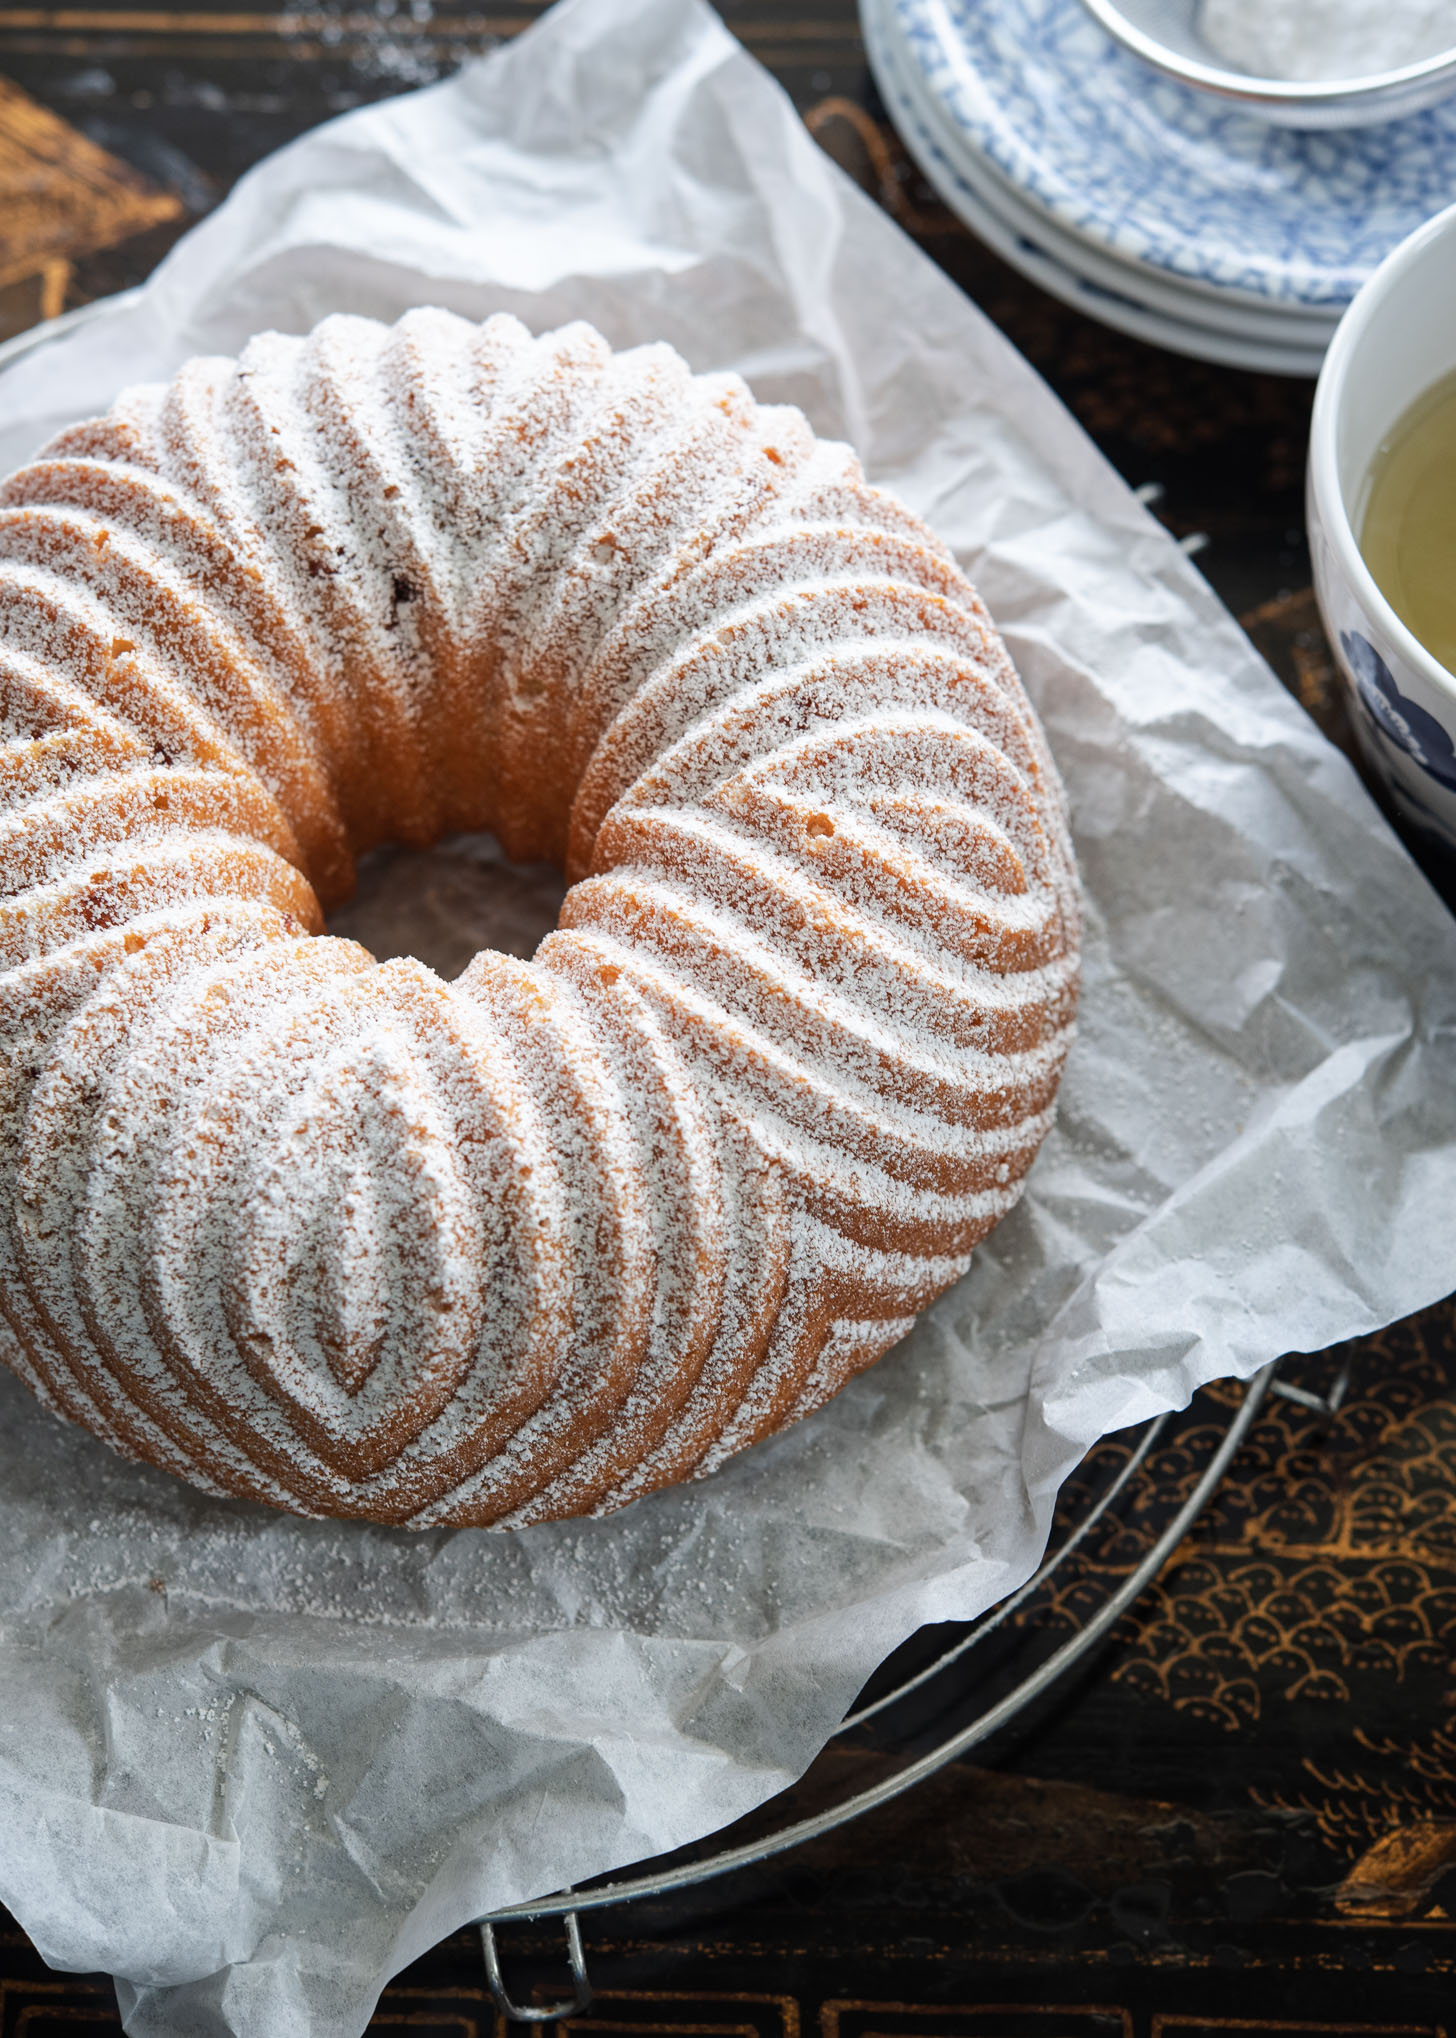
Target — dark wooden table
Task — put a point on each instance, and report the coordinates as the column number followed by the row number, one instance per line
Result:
column 1242, row 1818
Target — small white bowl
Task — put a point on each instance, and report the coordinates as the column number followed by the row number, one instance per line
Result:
column 1396, row 340
column 1164, row 34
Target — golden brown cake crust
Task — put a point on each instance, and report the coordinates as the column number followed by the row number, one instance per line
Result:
column 348, row 1239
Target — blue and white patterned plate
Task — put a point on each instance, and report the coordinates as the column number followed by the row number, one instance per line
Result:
column 959, row 171
column 1161, row 176
column 1051, row 261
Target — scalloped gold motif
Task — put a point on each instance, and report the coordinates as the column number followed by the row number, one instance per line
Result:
column 1323, row 1575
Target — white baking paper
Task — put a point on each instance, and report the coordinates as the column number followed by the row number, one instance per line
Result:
column 254, row 1765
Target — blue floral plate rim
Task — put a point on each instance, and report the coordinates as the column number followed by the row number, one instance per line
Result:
column 1048, row 270
column 1256, row 321
column 1147, row 170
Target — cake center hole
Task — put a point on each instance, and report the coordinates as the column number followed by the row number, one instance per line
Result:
column 444, row 904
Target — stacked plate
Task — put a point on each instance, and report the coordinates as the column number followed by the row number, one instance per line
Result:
column 1153, row 207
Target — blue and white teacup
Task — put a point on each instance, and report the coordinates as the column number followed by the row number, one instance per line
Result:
column 1396, row 340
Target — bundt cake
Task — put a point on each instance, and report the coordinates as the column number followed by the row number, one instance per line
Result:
column 346, row 1238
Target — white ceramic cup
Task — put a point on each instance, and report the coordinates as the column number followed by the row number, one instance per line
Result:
column 1397, row 339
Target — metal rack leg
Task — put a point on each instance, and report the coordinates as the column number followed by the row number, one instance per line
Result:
column 520, row 2013
column 1326, row 1405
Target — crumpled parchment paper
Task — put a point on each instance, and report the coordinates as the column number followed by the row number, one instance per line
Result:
column 254, row 1765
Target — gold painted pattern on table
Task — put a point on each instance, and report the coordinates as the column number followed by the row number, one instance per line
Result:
column 1328, row 1561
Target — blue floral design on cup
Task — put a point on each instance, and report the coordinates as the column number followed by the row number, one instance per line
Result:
column 1400, row 720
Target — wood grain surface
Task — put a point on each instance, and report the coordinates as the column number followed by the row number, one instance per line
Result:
column 1242, row 1819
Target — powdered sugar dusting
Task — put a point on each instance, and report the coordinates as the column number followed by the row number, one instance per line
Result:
column 344, row 1237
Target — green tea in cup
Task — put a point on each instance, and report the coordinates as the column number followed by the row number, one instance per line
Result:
column 1408, row 533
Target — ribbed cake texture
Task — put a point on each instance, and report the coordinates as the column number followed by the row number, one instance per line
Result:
column 343, row 1237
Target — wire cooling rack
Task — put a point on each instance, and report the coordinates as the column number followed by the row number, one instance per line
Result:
column 1117, row 1491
